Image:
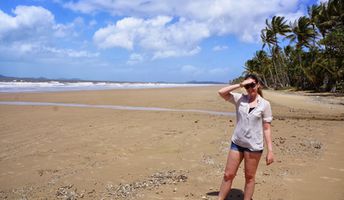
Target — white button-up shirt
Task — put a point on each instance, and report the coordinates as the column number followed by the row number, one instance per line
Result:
column 248, row 131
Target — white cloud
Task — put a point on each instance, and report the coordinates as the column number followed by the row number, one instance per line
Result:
column 192, row 70
column 220, row 47
column 135, row 58
column 32, row 49
column 30, row 31
column 69, row 30
column 34, row 23
column 219, row 71
column 291, row 17
column 69, row 52
column 175, row 53
column 167, row 28
column 199, row 73
column 119, row 35
column 28, row 22
column 122, row 7
column 230, row 11
column 156, row 35
column 321, row 1
column 93, row 22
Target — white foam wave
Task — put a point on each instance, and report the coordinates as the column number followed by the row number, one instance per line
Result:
column 52, row 86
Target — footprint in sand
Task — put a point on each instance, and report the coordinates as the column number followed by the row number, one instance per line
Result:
column 298, row 164
column 336, row 169
column 330, row 179
column 294, row 179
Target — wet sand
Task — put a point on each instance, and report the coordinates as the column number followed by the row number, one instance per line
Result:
column 58, row 152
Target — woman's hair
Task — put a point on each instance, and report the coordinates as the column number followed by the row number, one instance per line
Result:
column 257, row 80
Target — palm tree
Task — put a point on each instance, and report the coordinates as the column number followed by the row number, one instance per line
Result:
column 302, row 34
column 316, row 56
column 329, row 18
column 277, row 26
column 314, row 14
column 265, row 66
column 260, row 64
column 268, row 39
column 329, row 15
column 293, row 71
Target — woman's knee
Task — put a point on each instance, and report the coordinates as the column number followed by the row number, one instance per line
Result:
column 228, row 176
column 250, row 177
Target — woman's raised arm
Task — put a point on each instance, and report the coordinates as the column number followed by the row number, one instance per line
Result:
column 225, row 92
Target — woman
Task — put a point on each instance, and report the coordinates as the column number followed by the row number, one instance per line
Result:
column 253, row 123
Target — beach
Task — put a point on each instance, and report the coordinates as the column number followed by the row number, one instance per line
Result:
column 61, row 152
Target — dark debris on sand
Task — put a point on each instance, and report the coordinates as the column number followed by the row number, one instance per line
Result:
column 130, row 190
column 68, row 193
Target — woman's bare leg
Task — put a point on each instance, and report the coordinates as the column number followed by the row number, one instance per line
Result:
column 251, row 165
column 233, row 161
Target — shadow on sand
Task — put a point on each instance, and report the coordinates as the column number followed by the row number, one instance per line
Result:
column 234, row 194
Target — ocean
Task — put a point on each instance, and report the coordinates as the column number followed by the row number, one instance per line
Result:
column 59, row 86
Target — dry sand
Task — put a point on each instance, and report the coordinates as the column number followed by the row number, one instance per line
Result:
column 56, row 152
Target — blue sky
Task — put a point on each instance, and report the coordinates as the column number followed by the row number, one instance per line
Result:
column 135, row 40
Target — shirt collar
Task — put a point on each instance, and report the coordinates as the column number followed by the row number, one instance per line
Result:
column 259, row 99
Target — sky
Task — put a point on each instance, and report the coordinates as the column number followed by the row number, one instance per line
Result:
column 135, row 40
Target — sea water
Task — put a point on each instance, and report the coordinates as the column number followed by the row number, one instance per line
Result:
column 56, row 86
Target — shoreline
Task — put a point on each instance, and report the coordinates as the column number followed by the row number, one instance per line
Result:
column 57, row 86
column 126, row 97
column 115, row 107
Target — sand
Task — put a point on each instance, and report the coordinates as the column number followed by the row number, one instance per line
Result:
column 57, row 152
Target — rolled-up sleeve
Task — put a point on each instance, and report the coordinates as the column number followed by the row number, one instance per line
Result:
column 234, row 97
column 267, row 113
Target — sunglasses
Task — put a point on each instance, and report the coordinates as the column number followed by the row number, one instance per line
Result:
column 251, row 85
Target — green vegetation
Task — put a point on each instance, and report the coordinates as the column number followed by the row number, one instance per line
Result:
column 306, row 54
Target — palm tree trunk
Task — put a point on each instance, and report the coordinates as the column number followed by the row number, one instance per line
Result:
column 273, row 65
column 285, row 71
column 278, row 80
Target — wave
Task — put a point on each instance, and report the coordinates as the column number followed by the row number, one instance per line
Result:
column 55, row 86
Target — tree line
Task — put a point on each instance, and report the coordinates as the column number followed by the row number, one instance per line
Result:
column 306, row 54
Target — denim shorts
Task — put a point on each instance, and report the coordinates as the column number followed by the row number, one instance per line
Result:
column 236, row 147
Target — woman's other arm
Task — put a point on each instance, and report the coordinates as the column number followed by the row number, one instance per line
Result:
column 268, row 140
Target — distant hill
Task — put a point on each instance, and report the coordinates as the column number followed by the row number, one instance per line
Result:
column 39, row 79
